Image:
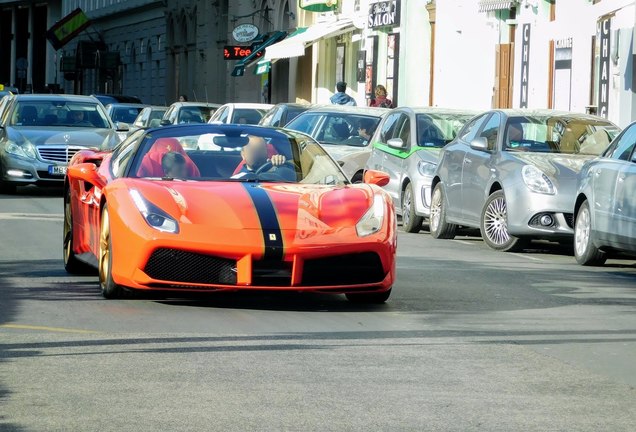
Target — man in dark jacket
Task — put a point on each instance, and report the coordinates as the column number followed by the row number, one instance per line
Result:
column 341, row 98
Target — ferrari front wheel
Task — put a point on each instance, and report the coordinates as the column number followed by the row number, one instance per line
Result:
column 369, row 298
column 110, row 289
column 71, row 263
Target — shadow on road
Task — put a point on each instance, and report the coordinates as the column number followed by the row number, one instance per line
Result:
column 34, row 191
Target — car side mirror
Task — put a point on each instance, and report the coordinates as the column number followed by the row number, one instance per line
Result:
column 376, row 177
column 165, row 122
column 86, row 172
column 122, row 127
column 396, row 143
column 479, row 143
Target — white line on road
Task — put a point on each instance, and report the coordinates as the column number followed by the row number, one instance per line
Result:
column 464, row 242
column 527, row 257
column 31, row 216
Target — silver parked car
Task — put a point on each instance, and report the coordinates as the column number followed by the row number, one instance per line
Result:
column 189, row 112
column 39, row 133
column 345, row 133
column 605, row 208
column 406, row 145
column 513, row 174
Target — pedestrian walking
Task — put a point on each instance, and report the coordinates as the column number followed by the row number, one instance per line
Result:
column 342, row 98
column 380, row 98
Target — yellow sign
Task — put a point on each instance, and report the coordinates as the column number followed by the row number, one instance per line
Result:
column 1, row 87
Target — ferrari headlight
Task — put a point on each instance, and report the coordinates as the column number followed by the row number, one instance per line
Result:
column 426, row 169
column 537, row 181
column 371, row 221
column 154, row 216
column 25, row 149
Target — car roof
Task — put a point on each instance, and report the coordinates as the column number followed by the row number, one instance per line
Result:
column 59, row 97
column 250, row 105
column 373, row 111
column 439, row 110
column 199, row 104
column 516, row 112
column 127, row 105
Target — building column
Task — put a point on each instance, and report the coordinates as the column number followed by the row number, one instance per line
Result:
column 14, row 27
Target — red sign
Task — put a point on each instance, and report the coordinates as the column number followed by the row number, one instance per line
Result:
column 237, row 52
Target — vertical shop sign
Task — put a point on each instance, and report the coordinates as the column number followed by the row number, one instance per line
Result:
column 603, row 30
column 525, row 57
column 562, row 78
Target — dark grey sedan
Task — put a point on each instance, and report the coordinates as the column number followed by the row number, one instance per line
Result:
column 40, row 133
column 513, row 175
column 605, row 208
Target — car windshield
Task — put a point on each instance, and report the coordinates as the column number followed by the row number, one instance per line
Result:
column 437, row 130
column 234, row 153
column 124, row 114
column 195, row 114
column 52, row 113
column 558, row 134
column 336, row 128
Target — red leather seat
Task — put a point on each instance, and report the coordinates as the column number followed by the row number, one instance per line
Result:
column 151, row 164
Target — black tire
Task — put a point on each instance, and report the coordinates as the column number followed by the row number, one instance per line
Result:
column 494, row 225
column 71, row 263
column 440, row 229
column 411, row 222
column 585, row 251
column 110, row 289
column 357, row 178
column 369, row 298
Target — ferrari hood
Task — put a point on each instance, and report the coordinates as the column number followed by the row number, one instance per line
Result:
column 73, row 136
column 242, row 205
column 554, row 164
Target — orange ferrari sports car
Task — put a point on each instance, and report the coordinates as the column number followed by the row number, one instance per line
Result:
column 223, row 208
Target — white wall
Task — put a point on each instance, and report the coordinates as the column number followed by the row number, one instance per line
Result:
column 464, row 71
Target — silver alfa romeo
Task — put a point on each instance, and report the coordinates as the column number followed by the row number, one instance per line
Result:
column 513, row 175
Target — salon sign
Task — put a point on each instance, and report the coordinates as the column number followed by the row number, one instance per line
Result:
column 384, row 13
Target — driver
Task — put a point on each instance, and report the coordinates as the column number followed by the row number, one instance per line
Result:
column 77, row 117
column 515, row 134
column 254, row 154
column 365, row 129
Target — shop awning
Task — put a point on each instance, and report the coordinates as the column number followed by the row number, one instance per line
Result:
column 295, row 44
column 494, row 5
column 239, row 67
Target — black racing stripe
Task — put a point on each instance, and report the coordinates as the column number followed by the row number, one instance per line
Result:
column 272, row 235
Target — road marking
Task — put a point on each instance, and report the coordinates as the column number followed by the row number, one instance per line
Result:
column 45, row 328
column 464, row 242
column 528, row 257
column 31, row 216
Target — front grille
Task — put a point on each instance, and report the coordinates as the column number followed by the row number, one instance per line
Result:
column 190, row 267
column 271, row 273
column 350, row 269
column 55, row 153
column 569, row 219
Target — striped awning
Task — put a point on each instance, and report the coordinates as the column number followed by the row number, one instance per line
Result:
column 494, row 5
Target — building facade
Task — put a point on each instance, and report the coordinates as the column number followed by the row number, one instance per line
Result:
column 28, row 60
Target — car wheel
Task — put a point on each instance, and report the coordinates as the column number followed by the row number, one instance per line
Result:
column 369, row 298
column 110, row 289
column 494, row 225
column 71, row 263
column 411, row 222
column 585, row 252
column 440, row 229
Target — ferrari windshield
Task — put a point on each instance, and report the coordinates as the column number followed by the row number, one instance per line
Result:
column 438, row 129
column 233, row 153
column 58, row 112
column 558, row 134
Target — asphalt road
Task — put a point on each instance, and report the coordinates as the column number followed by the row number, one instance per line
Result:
column 470, row 340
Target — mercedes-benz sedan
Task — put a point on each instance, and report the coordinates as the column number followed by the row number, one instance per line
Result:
column 513, row 174
column 39, row 133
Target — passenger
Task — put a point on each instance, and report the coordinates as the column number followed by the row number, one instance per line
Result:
column 174, row 165
column 365, row 129
column 254, row 155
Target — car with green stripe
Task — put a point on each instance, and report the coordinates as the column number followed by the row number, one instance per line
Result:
column 406, row 145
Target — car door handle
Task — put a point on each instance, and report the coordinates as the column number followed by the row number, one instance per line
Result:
column 467, row 161
column 597, row 173
column 621, row 178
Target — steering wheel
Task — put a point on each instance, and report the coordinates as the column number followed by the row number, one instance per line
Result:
column 269, row 165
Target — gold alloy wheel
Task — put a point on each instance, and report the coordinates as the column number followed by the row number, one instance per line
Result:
column 104, row 250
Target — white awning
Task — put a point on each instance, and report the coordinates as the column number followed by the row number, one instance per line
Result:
column 493, row 5
column 294, row 45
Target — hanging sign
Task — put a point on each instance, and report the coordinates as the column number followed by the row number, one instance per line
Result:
column 603, row 37
column 525, row 65
column 318, row 5
column 245, row 32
